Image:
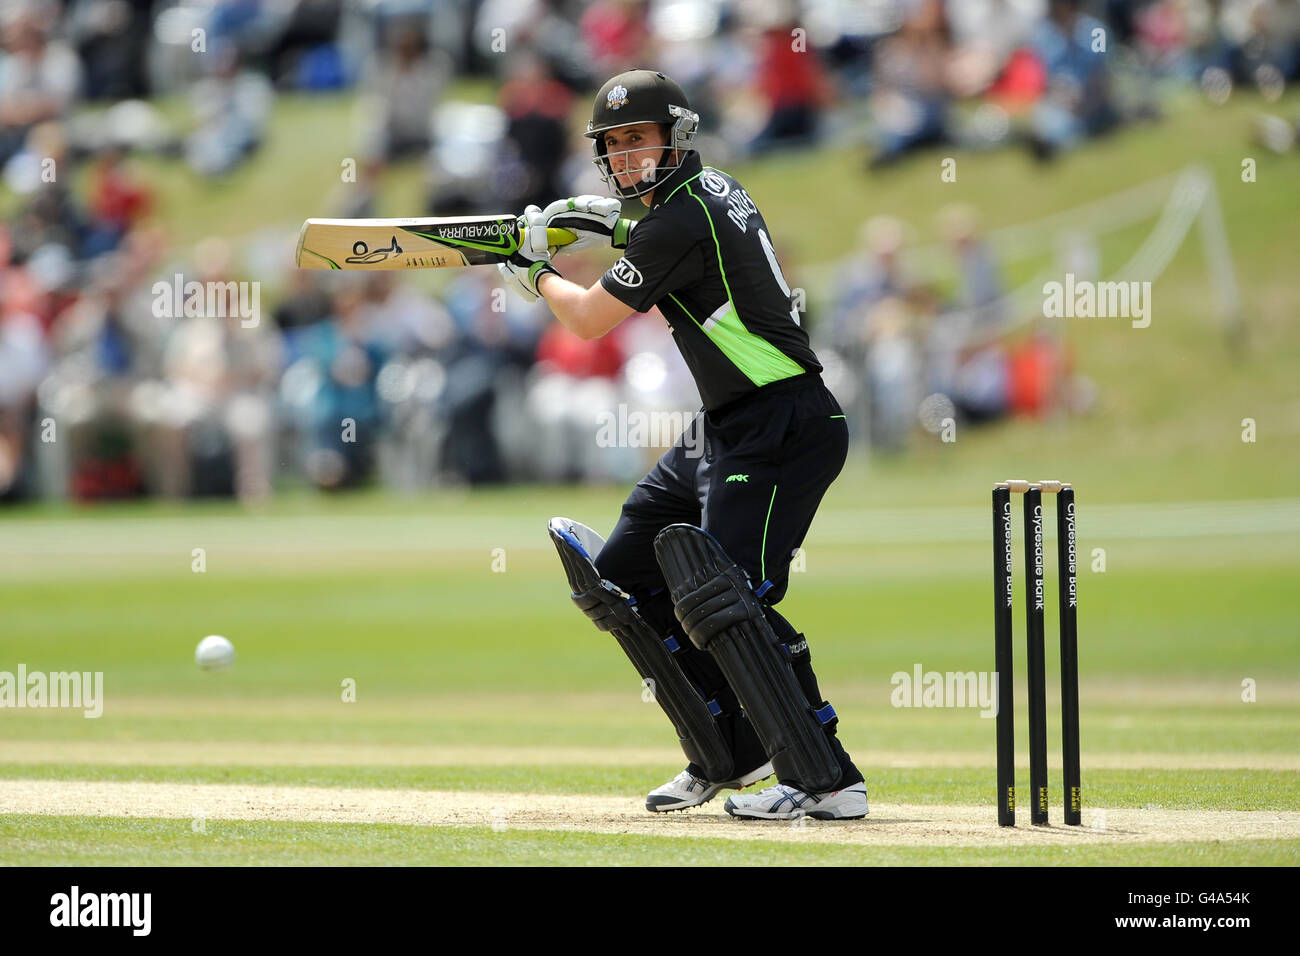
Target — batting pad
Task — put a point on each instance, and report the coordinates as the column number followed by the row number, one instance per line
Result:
column 611, row 610
column 719, row 611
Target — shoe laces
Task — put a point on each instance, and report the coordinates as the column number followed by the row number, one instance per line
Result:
column 792, row 793
column 686, row 779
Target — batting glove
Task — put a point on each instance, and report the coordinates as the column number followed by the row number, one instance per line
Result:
column 522, row 270
column 593, row 219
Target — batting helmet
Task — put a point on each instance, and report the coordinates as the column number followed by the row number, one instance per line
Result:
column 641, row 96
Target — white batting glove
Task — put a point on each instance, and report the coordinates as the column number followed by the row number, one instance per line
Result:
column 522, row 270
column 593, row 219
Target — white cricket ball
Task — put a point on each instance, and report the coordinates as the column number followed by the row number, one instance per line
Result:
column 214, row 653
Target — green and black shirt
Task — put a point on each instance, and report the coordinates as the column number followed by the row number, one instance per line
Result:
column 704, row 256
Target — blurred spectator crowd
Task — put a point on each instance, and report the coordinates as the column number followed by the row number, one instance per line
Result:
column 106, row 391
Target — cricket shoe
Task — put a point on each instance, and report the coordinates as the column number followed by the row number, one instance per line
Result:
column 687, row 790
column 786, row 803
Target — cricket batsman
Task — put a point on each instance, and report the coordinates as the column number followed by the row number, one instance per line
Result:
column 688, row 580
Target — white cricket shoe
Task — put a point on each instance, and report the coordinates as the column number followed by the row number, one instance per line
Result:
column 787, row 803
column 687, row 790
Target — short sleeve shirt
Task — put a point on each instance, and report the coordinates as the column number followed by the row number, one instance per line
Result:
column 703, row 255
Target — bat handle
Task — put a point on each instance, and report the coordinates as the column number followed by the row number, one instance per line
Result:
column 554, row 237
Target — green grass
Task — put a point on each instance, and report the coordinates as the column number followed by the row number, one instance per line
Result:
column 1165, row 789
column 446, row 653
column 62, row 841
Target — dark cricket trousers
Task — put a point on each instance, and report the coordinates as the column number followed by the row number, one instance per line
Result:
column 752, row 475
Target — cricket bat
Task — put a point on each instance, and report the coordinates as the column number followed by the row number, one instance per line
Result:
column 413, row 243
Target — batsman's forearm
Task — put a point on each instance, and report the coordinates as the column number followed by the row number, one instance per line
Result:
column 565, row 299
column 587, row 313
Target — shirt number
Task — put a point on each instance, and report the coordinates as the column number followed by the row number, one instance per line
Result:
column 776, row 270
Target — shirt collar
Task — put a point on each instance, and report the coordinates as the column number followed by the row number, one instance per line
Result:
column 691, row 166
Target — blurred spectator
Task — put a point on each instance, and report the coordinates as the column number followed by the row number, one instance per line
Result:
column 537, row 107
column 118, row 201
column 561, row 351
column 358, row 200
column 1078, row 102
column 909, row 105
column 992, row 54
column 979, row 286
column 490, row 342
column 103, row 352
column 540, row 27
column 870, row 275
column 402, row 320
column 330, row 392
column 616, row 35
column 232, row 107
column 965, row 358
column 403, row 84
column 793, row 86
column 1169, row 32
column 111, row 38
column 213, row 416
column 892, row 372
column 572, row 384
column 304, row 55
column 304, row 302
column 24, row 357
column 50, row 215
column 871, row 331
column 470, row 160
column 40, row 78
column 1261, row 34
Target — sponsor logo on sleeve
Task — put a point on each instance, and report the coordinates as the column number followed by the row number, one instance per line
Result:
column 624, row 273
column 714, row 184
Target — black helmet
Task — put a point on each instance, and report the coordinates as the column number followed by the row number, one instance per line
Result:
column 641, row 96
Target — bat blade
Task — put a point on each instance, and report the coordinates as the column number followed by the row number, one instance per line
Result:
column 449, row 242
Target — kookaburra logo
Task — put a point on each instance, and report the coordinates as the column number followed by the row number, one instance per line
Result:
column 364, row 255
column 617, row 97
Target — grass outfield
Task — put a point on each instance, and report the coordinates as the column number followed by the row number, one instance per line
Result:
column 470, row 681
column 82, row 841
